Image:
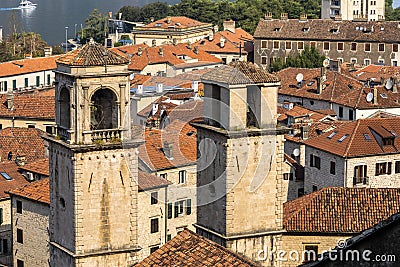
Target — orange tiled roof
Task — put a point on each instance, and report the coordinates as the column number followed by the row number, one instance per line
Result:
column 191, row 250
column 17, row 180
column 18, row 67
column 29, row 105
column 316, row 129
column 233, row 42
column 92, row 54
column 37, row 191
column 361, row 138
column 148, row 181
column 40, row 166
column 340, row 210
column 162, row 105
column 181, row 135
column 175, row 23
column 377, row 72
column 22, row 141
column 340, row 89
column 147, row 80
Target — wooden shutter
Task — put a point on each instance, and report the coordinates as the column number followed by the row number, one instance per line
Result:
column 188, row 206
column 176, row 209
column 169, row 211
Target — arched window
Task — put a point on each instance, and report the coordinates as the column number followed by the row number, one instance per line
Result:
column 103, row 110
column 65, row 114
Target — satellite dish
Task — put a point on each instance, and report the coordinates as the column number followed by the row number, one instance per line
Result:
column 296, row 152
column 131, row 76
column 389, row 84
column 325, row 63
column 370, row 97
column 299, row 77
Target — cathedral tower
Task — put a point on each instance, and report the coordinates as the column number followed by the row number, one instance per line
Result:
column 240, row 157
column 93, row 162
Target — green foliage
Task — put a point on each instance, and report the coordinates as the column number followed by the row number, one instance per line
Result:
column 95, row 27
column 125, row 37
column 116, row 44
column 309, row 58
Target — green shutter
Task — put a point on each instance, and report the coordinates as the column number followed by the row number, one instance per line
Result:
column 1, row 215
column 169, row 211
column 188, row 206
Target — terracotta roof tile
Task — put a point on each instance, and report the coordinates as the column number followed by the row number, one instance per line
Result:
column 40, row 166
column 340, row 210
column 323, row 29
column 175, row 22
column 360, row 138
column 92, row 54
column 18, row 67
column 377, row 72
column 17, row 180
column 37, row 191
column 189, row 249
column 148, row 181
column 22, row 141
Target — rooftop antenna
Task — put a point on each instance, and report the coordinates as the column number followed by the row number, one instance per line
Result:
column 389, row 84
column 370, row 97
column 299, row 79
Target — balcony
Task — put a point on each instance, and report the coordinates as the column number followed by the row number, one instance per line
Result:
column 63, row 133
column 105, row 135
column 360, row 180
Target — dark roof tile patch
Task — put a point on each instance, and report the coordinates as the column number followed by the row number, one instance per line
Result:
column 37, row 191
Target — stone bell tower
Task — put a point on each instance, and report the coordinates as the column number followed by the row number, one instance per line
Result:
column 93, row 162
column 240, row 157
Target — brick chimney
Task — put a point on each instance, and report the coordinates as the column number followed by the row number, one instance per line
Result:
column 229, row 25
column 20, row 160
column 304, row 132
column 168, row 150
column 222, row 42
column 48, row 51
column 395, row 81
column 303, row 17
column 168, row 19
column 268, row 16
column 10, row 99
column 284, row 16
column 375, row 96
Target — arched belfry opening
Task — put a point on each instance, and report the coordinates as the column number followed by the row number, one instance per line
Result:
column 103, row 110
column 65, row 114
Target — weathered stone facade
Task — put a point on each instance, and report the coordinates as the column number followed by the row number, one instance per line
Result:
column 5, row 233
column 33, row 221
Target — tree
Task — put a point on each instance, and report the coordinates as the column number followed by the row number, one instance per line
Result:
column 130, row 13
column 95, row 27
column 157, row 10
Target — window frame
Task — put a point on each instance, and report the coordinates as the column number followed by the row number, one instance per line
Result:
column 19, row 206
column 302, row 45
column 182, row 175
column 20, row 236
column 340, row 46
column 381, row 47
column 367, row 45
column 327, row 46
column 332, row 169
column 154, row 225
column 353, row 47
column 153, row 198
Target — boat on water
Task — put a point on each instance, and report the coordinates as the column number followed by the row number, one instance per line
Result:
column 25, row 4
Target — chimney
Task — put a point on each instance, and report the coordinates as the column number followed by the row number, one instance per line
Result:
column 189, row 46
column 395, row 81
column 337, row 18
column 175, row 41
column 120, row 16
column 304, row 131
column 383, row 80
column 159, row 88
column 229, row 25
column 216, row 28
column 139, row 51
column 211, row 37
column 48, row 51
column 195, row 86
column 168, row 151
column 161, row 51
column 139, row 90
column 168, row 19
column 110, row 15
column 375, row 96
column 152, row 19
column 196, row 49
column 10, row 99
column 319, row 85
column 222, row 42
column 284, row 16
column 20, row 160
column 268, row 16
column 153, row 43
column 303, row 17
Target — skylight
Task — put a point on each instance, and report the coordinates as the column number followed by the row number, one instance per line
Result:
column 331, row 135
column 383, row 95
column 6, row 176
column 342, row 138
column 310, row 83
column 367, row 137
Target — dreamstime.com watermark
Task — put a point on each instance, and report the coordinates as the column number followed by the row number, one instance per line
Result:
column 337, row 254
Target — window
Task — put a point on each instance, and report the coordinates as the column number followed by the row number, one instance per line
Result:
column 351, row 115
column 381, row 47
column 333, row 168
column 49, row 129
column 313, row 44
column 5, row 86
column 276, row 44
column 288, row 45
column 315, row 161
column 388, row 141
column 19, row 206
column 182, row 177
column 37, row 80
column 188, row 206
column 367, row 47
column 31, row 126
column 48, row 79
column 4, row 246
column 288, row 176
column 152, row 249
column 395, row 48
column 26, row 82
column 163, row 175
column 314, row 188
column 14, row 84
column 154, row 225
column 300, row 192
column 264, row 44
column 340, row 112
column 224, row 60
column 394, row 63
column 169, row 237
column 340, row 46
column 353, row 46
column 397, row 167
column 179, row 208
column 353, row 60
column 20, row 237
column 367, row 62
column 20, row 263
column 300, row 45
column 169, row 210
column 326, row 45
column 154, row 198
column 310, row 252
column 382, row 168
column 263, row 60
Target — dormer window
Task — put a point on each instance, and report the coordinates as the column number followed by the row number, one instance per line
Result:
column 388, row 141
column 305, row 30
column 334, row 30
column 277, row 29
